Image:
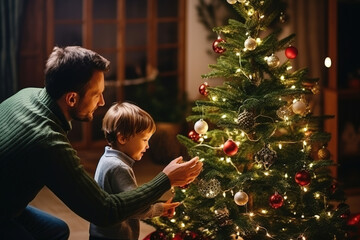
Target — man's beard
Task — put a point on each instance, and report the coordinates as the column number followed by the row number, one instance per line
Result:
column 74, row 114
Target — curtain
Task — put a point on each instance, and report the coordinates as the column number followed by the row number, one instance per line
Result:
column 11, row 13
column 308, row 20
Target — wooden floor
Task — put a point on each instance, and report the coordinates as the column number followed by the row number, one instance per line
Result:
column 145, row 170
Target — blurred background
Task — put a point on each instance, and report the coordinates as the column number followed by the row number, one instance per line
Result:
column 158, row 51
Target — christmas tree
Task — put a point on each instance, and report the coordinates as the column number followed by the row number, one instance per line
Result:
column 266, row 166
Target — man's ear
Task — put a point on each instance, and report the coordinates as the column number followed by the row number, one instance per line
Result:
column 121, row 139
column 71, row 98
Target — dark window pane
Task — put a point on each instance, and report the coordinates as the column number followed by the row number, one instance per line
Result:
column 104, row 36
column 136, row 34
column 110, row 96
column 167, row 60
column 96, row 124
column 135, row 65
column 168, row 33
column 104, row 9
column 168, row 8
column 68, row 9
column 136, row 8
column 66, row 34
column 111, row 74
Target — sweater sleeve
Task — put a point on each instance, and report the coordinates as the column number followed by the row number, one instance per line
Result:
column 68, row 180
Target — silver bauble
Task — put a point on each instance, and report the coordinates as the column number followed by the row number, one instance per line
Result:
column 299, row 107
column 273, row 61
column 201, row 126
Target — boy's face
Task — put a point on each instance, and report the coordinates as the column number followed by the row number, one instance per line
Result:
column 135, row 146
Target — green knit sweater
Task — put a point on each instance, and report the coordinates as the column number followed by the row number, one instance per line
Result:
column 35, row 152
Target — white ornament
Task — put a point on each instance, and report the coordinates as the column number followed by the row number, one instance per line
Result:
column 299, row 107
column 241, row 198
column 232, row 1
column 250, row 44
column 273, row 61
column 201, row 126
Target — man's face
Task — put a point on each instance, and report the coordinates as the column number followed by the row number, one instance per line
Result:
column 92, row 99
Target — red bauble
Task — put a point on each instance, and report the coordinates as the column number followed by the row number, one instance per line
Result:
column 291, row 52
column 193, row 136
column 276, row 201
column 156, row 235
column 216, row 46
column 230, row 148
column 354, row 220
column 303, row 178
column 203, row 90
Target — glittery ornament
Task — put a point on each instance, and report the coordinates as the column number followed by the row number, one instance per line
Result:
column 230, row 148
column 323, row 153
column 201, row 126
column 209, row 188
column 282, row 17
column 291, row 52
column 266, row 156
column 231, row 1
column 303, row 178
column 203, row 89
column 250, row 44
column 241, row 198
column 246, row 120
column 299, row 107
column 276, row 200
column 216, row 47
column 193, row 136
column 315, row 89
column 273, row 61
column 222, row 217
column 284, row 112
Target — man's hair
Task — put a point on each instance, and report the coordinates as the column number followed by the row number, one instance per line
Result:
column 69, row 69
column 126, row 119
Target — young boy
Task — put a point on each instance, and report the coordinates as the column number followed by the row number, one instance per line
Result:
column 127, row 129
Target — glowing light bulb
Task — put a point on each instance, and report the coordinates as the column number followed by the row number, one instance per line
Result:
column 327, row 62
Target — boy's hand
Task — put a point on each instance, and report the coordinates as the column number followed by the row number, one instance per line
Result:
column 182, row 173
column 169, row 208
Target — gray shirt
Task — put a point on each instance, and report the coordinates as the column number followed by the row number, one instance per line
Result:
column 114, row 174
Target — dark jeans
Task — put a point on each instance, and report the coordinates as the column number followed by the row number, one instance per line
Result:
column 34, row 224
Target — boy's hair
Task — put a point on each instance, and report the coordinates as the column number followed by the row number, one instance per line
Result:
column 126, row 119
column 69, row 69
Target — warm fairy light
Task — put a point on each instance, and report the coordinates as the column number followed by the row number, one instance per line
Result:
column 223, row 116
column 286, row 175
column 257, row 228
column 317, row 195
column 268, row 235
column 242, row 134
column 201, row 139
column 317, row 217
column 202, row 159
column 289, row 68
column 294, row 213
column 266, row 173
column 280, row 146
column 262, row 16
column 237, row 54
column 302, row 216
column 250, row 12
column 329, row 214
column 265, row 58
column 285, row 197
column 238, row 70
column 186, row 217
column 222, row 159
column 228, row 160
column 282, row 77
column 305, row 189
column 183, row 190
column 251, row 214
column 304, row 143
column 205, row 136
column 311, row 165
column 214, row 98
column 264, row 211
column 258, row 40
column 305, row 129
column 293, row 87
column 224, row 194
column 173, row 220
column 327, row 62
column 182, row 225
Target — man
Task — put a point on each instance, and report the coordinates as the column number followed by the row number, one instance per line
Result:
column 35, row 152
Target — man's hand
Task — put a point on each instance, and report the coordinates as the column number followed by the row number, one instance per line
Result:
column 169, row 208
column 182, row 173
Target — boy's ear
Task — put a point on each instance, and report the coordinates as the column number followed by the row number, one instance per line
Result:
column 71, row 98
column 121, row 139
